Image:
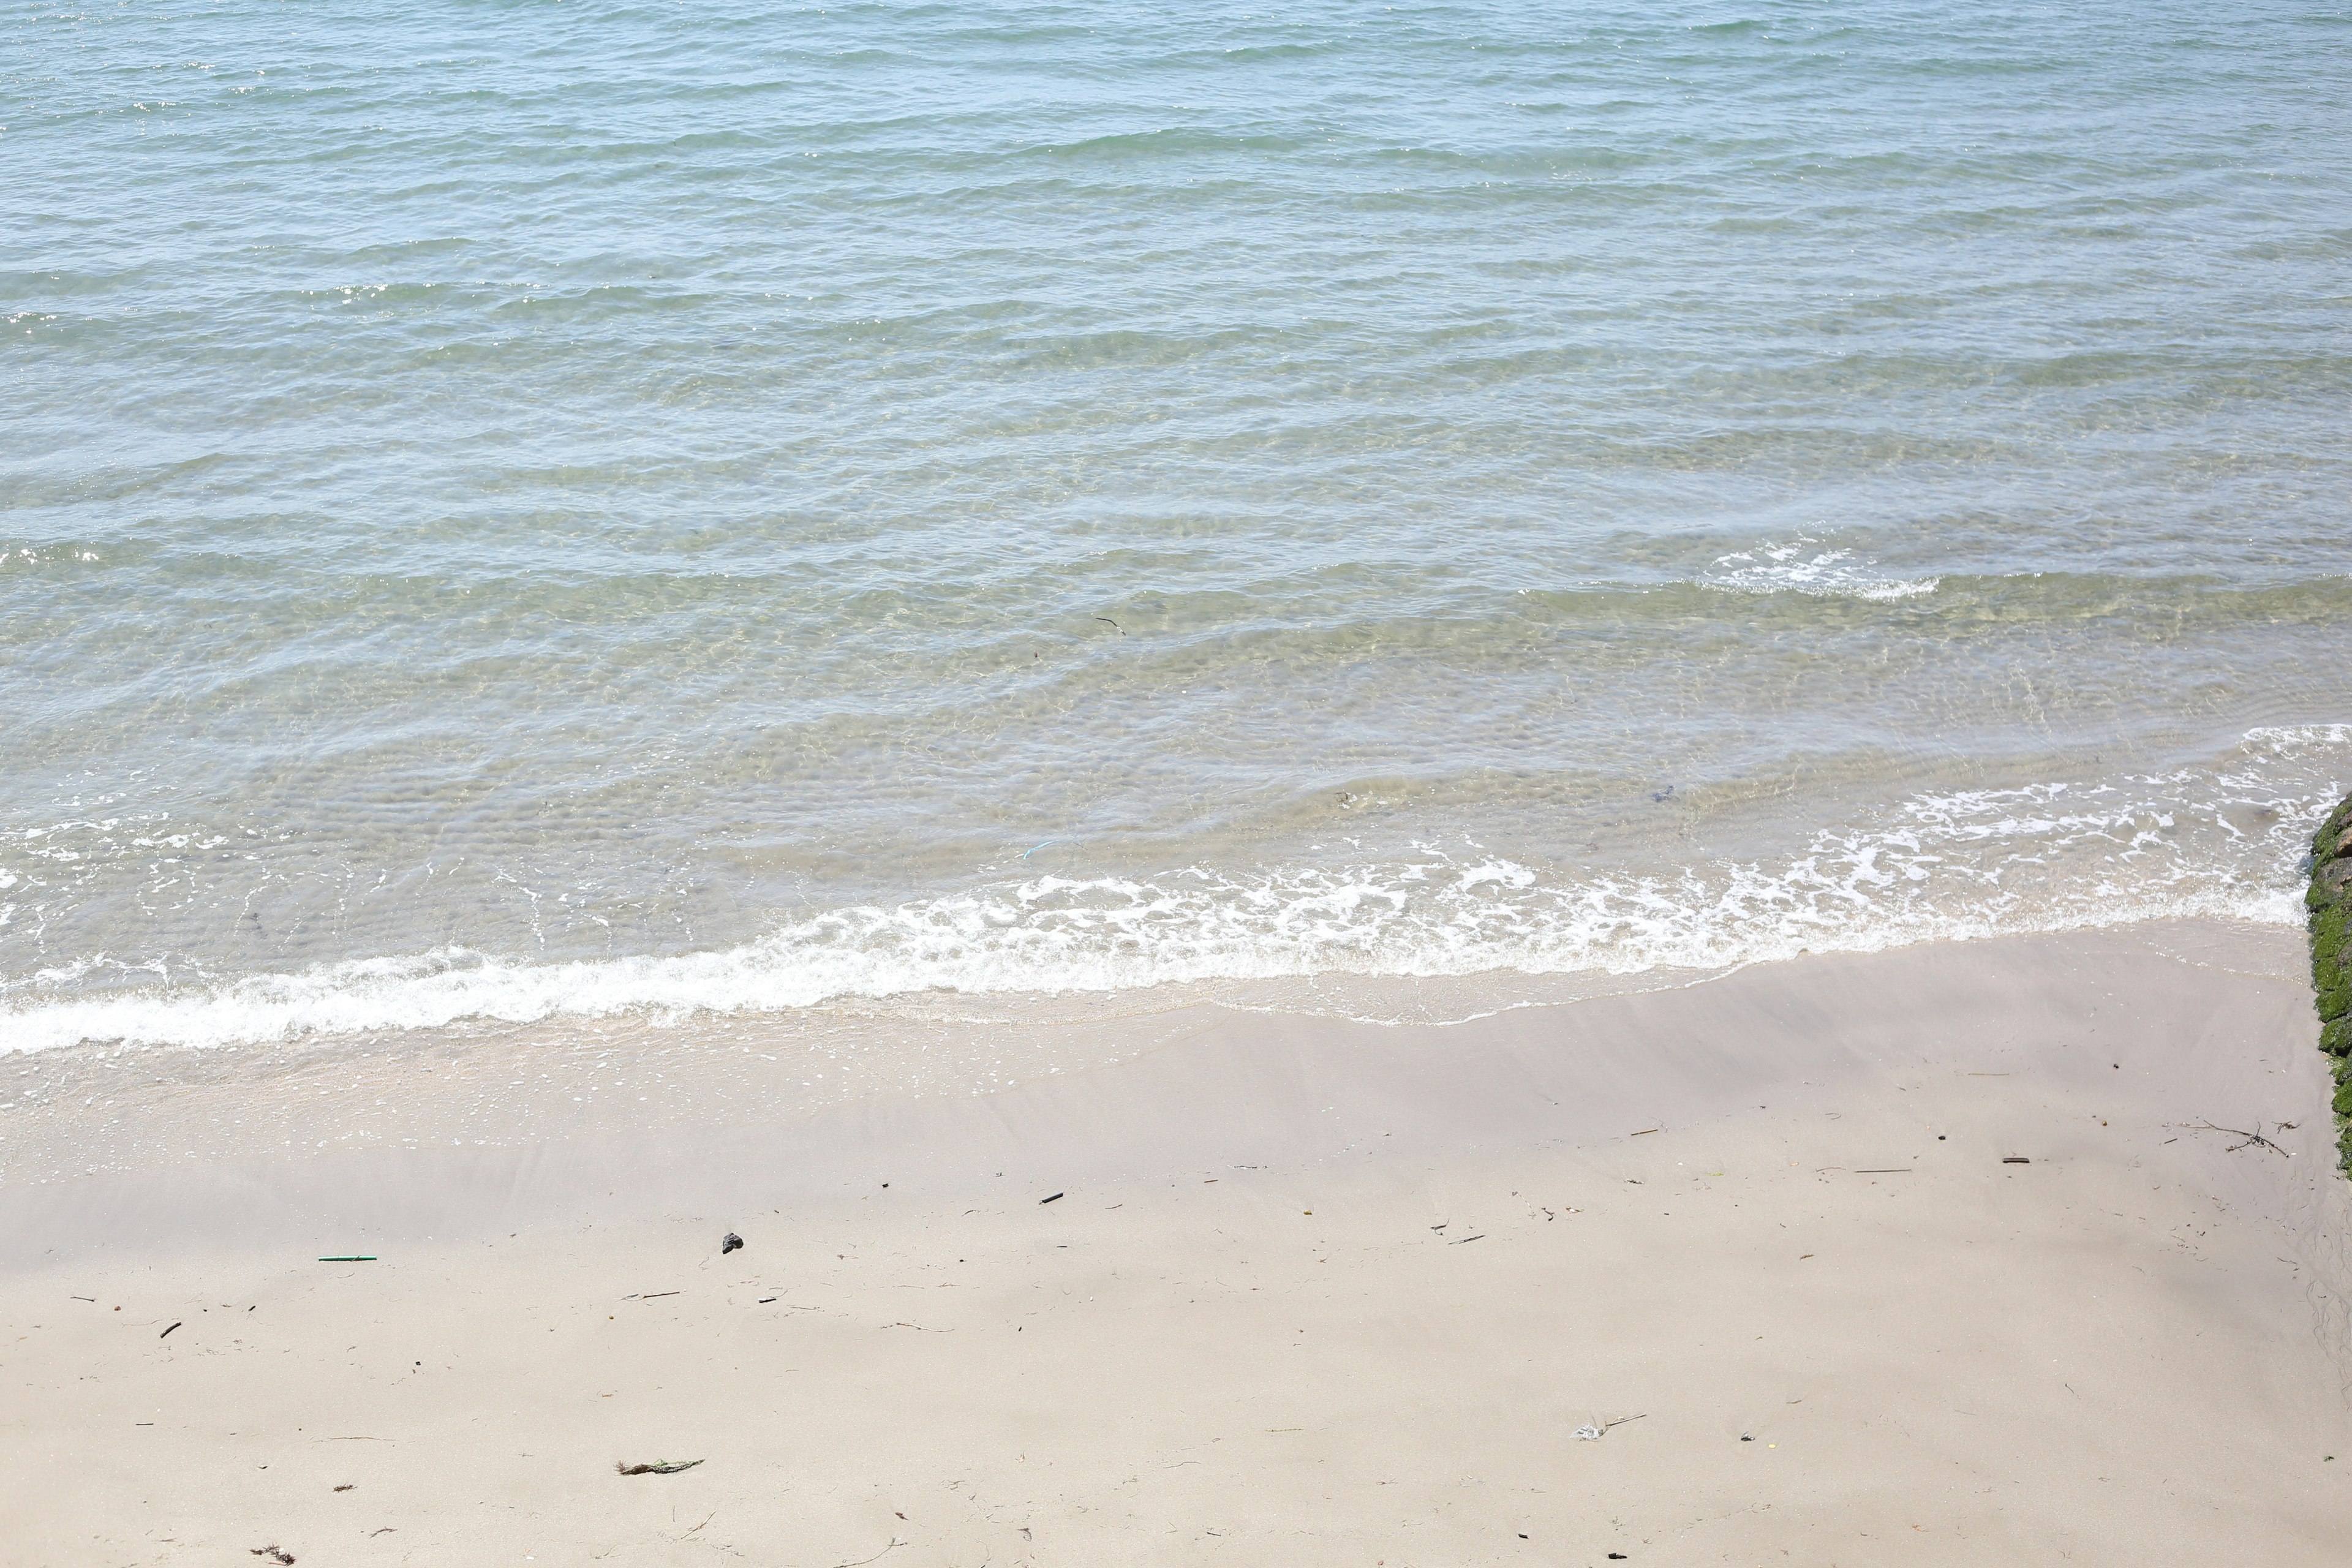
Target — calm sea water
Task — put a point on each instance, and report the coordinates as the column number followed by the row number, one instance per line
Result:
column 536, row 510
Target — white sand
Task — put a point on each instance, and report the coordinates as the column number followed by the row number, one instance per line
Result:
column 1257, row 1329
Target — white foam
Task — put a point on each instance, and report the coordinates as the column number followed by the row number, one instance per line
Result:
column 2217, row 842
column 1807, row 565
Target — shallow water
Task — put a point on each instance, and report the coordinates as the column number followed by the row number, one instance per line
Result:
column 530, row 513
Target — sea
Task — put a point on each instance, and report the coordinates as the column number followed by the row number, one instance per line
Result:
column 561, row 515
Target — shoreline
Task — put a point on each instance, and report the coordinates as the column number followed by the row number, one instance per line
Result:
column 106, row 1108
column 1772, row 1205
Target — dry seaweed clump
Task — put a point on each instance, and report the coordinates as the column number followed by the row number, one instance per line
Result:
column 2330, row 902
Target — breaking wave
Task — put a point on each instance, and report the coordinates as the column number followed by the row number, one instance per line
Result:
column 2210, row 842
column 1807, row 565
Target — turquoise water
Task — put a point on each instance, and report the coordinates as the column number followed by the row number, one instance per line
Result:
column 536, row 510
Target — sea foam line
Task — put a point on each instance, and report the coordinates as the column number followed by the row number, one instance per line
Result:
column 1426, row 919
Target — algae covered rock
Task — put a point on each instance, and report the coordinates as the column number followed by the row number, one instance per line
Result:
column 2329, row 899
column 2336, row 1039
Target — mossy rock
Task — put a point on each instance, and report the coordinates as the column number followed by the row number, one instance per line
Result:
column 2335, row 834
column 2329, row 899
column 2336, row 1038
column 2331, row 960
column 2335, row 998
column 2329, row 927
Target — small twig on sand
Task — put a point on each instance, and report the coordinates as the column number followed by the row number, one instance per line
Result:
column 2256, row 1137
column 895, row 1544
column 658, row 1467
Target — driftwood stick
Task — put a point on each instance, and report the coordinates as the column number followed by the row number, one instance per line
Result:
column 2255, row 1138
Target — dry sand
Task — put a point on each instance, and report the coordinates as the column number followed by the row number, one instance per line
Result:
column 1314, row 1292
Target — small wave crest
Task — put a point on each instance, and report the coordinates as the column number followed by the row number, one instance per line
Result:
column 2211, row 842
column 1809, row 565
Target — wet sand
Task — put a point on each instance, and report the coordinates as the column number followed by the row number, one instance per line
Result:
column 1313, row 1292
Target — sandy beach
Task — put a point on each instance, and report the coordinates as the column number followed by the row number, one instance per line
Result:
column 984, row 786
column 1273, row 1290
